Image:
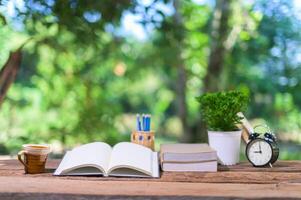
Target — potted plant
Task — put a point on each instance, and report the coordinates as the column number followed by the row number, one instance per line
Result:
column 219, row 111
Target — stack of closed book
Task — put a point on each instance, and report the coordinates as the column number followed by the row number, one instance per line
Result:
column 188, row 157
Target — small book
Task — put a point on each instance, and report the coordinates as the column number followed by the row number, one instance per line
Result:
column 187, row 153
column 209, row 166
column 98, row 158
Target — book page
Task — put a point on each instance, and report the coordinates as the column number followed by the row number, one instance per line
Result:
column 63, row 163
column 155, row 162
column 94, row 155
column 131, row 156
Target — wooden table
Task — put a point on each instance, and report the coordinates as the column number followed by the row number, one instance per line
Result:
column 235, row 182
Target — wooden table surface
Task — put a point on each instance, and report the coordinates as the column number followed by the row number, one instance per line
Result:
column 234, row 182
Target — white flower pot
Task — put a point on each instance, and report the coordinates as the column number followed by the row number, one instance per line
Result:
column 227, row 145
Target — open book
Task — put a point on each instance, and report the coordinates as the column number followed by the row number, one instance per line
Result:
column 98, row 158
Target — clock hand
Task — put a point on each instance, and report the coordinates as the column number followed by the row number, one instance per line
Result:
column 256, row 151
column 259, row 147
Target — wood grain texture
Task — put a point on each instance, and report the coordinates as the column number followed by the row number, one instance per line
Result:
column 240, row 181
column 289, row 171
column 143, row 188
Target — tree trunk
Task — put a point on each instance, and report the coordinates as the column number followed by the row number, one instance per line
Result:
column 181, row 74
column 218, row 35
column 182, row 104
column 8, row 73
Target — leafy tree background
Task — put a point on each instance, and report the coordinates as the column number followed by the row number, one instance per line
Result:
column 84, row 75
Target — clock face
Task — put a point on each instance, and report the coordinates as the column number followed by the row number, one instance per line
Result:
column 259, row 152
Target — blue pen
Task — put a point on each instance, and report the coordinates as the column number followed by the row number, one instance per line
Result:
column 146, row 122
column 149, row 122
column 138, row 123
column 143, row 122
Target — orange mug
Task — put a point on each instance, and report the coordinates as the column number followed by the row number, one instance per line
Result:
column 34, row 157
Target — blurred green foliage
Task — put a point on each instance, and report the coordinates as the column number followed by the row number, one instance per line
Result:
column 82, row 80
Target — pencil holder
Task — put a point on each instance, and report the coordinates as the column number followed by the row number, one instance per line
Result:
column 144, row 138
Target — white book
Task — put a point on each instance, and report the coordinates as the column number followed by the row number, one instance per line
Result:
column 98, row 158
column 209, row 166
column 187, row 153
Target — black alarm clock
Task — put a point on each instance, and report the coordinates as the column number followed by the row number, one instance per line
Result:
column 262, row 149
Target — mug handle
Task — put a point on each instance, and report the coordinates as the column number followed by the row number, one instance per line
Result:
column 20, row 154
